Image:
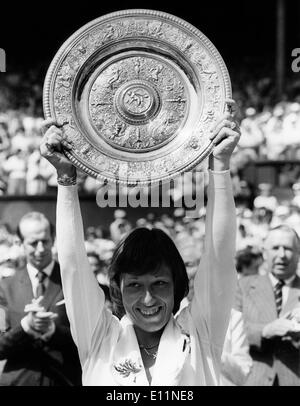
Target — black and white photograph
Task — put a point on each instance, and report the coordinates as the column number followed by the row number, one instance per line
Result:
column 150, row 196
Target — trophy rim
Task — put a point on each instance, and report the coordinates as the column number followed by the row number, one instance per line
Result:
column 134, row 12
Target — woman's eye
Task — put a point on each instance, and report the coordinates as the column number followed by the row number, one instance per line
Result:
column 161, row 283
column 133, row 285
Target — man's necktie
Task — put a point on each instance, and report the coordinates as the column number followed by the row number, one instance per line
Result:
column 278, row 295
column 40, row 290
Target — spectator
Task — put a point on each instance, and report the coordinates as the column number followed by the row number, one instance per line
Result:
column 100, row 270
column 35, row 335
column 296, row 190
column 280, row 215
column 38, row 174
column 267, row 301
column 11, row 257
column 274, row 134
column 248, row 261
column 120, row 227
column 252, row 136
column 15, row 167
column 294, row 218
column 4, row 139
column 265, row 198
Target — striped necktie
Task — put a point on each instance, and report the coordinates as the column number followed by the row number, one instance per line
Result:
column 278, row 295
column 40, row 290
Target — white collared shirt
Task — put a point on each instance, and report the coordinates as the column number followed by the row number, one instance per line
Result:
column 285, row 288
column 190, row 347
column 33, row 272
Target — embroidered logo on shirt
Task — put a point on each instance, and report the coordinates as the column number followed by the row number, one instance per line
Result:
column 127, row 367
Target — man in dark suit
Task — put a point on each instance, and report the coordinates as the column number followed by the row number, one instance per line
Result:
column 35, row 338
column 270, row 306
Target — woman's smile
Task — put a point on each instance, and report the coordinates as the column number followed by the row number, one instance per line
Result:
column 150, row 312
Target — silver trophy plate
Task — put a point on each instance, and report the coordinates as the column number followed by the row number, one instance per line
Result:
column 137, row 92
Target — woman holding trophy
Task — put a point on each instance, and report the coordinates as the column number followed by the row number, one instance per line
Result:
column 146, row 341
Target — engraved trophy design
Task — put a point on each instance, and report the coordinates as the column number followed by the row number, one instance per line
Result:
column 137, row 91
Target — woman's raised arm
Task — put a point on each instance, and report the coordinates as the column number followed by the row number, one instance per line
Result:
column 215, row 281
column 83, row 296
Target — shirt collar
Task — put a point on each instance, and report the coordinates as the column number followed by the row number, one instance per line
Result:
column 34, row 271
column 287, row 282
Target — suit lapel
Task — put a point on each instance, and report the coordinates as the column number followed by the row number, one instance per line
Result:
column 263, row 297
column 23, row 291
column 293, row 299
column 53, row 288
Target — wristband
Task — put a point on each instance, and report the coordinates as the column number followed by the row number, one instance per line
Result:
column 66, row 180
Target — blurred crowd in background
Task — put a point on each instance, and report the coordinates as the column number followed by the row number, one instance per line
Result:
column 270, row 132
column 187, row 233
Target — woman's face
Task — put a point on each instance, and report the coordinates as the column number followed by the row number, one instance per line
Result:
column 148, row 299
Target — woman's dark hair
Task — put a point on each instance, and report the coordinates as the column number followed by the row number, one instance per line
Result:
column 143, row 251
